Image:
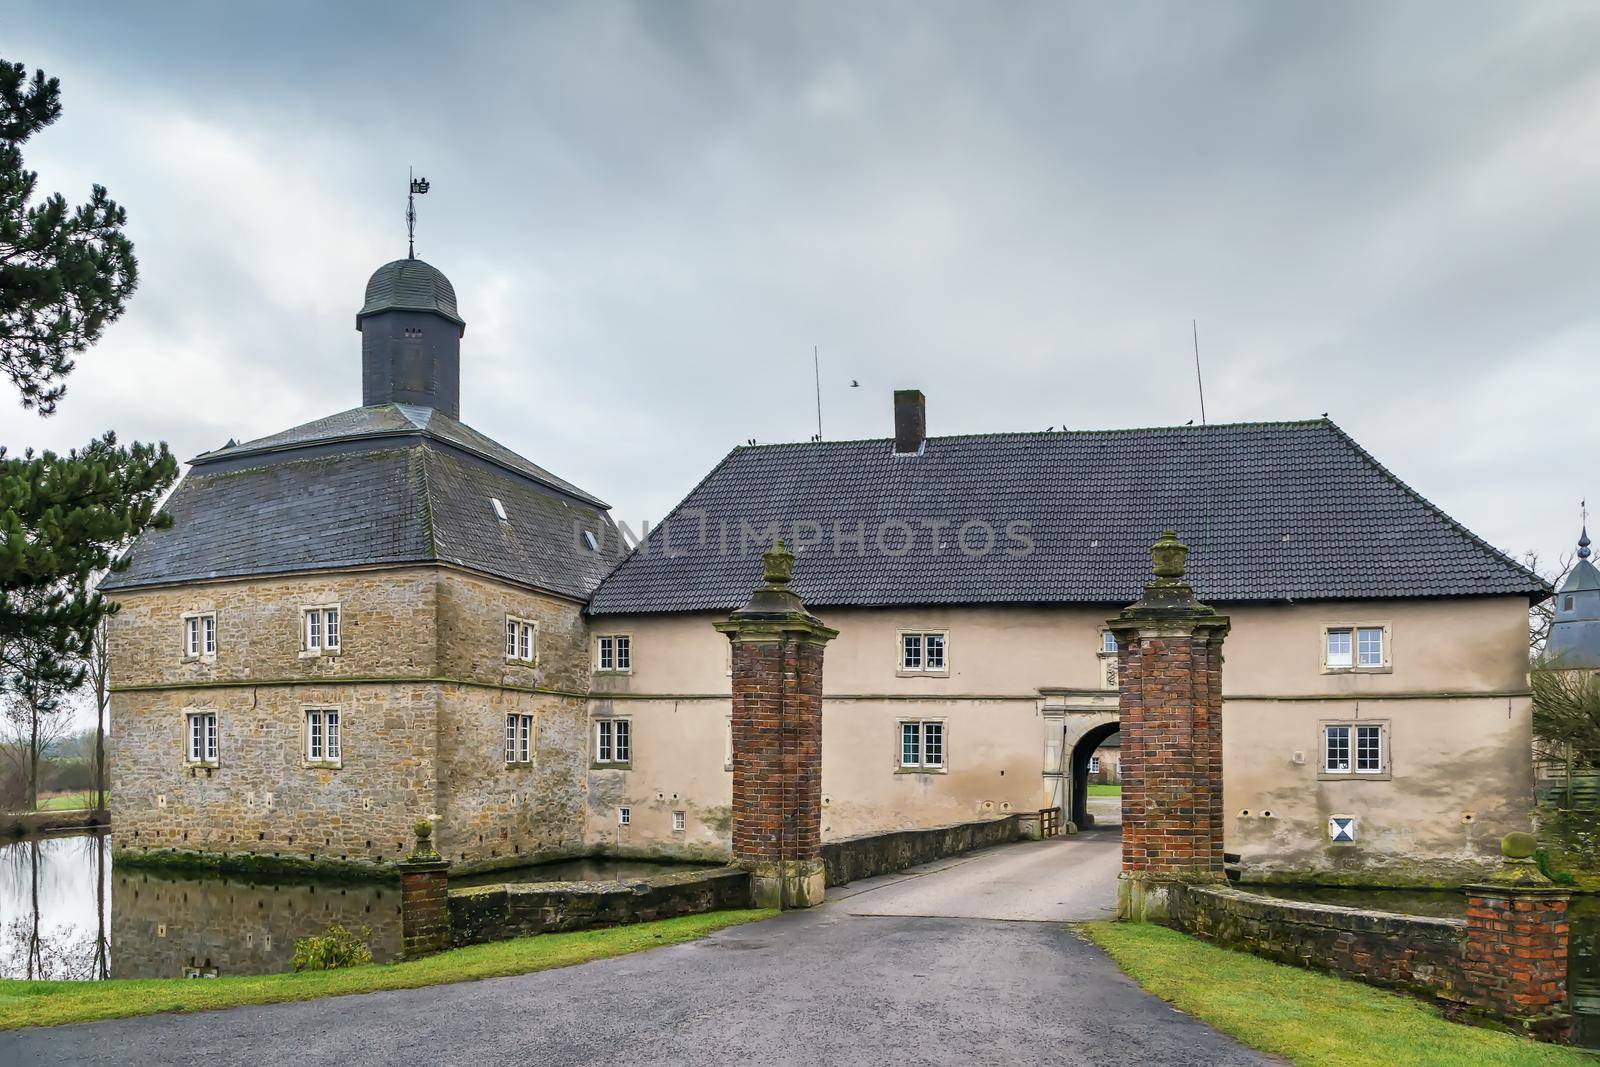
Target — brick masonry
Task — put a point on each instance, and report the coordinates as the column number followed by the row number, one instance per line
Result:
column 424, row 908
column 1515, row 957
column 1171, row 722
column 777, row 750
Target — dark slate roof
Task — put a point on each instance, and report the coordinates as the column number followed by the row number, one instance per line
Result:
column 384, row 420
column 1271, row 511
column 410, row 285
column 339, row 502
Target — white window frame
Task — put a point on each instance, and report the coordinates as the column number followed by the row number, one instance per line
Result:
column 1109, row 671
column 922, row 764
column 613, row 743
column 1094, row 764
column 203, row 754
column 1359, row 735
column 315, row 630
column 1355, row 635
column 613, row 654
column 522, row 640
column 680, row 822
column 324, row 737
column 519, row 740
column 200, row 635
column 624, row 816
column 919, row 666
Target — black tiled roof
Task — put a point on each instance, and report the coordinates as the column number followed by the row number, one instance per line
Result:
column 340, row 501
column 1271, row 512
column 384, row 420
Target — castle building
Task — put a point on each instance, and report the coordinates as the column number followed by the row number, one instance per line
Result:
column 359, row 622
column 384, row 615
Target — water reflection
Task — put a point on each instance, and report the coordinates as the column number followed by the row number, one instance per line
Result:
column 66, row 914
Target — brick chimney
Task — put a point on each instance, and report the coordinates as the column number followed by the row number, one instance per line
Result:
column 910, row 421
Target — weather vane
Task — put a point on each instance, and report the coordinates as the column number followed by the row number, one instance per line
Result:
column 418, row 185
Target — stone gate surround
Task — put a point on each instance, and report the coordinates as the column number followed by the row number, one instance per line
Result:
column 777, row 739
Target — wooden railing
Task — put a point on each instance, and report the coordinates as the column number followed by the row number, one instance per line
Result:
column 1049, row 822
column 1568, row 779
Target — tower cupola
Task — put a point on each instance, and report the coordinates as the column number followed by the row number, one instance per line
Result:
column 411, row 338
column 1575, row 633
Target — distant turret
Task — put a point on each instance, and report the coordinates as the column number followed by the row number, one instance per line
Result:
column 1575, row 635
column 411, row 338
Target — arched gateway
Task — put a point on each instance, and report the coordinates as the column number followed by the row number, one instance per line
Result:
column 1169, row 713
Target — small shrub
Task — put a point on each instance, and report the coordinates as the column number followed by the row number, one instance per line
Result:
column 336, row 948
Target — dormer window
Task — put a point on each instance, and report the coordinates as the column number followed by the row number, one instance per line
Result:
column 499, row 509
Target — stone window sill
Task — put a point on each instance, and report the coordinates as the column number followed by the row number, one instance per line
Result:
column 922, row 674
column 596, row 765
column 319, row 653
column 202, row 764
column 322, row 764
column 1387, row 669
column 1350, row 776
column 922, row 770
column 201, row 659
column 519, row 765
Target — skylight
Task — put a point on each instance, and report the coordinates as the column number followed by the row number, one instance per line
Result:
column 499, row 509
column 588, row 539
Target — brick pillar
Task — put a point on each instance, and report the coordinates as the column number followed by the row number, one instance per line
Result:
column 424, row 898
column 777, row 739
column 1169, row 666
column 1516, row 951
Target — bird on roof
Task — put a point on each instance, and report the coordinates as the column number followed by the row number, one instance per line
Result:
column 854, row 384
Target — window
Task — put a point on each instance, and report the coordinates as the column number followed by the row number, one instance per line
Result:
column 522, row 640
column 1362, row 648
column 1094, row 764
column 1353, row 748
column 322, row 736
column 203, row 737
column 679, row 821
column 1108, row 659
column 923, row 652
column 322, row 629
column 199, row 636
column 624, row 816
column 922, row 745
column 1566, row 602
column 614, row 654
column 613, row 741
column 519, row 738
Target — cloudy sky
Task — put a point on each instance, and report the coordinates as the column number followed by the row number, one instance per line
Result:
column 652, row 211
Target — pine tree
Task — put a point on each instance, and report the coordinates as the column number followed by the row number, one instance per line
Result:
column 64, row 273
column 63, row 519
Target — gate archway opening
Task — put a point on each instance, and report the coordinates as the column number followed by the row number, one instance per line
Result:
column 1083, row 751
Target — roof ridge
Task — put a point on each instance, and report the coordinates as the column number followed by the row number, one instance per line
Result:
column 1454, row 524
column 666, row 522
column 1275, row 424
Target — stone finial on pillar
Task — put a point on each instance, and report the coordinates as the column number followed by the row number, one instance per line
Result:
column 1516, row 950
column 777, row 738
column 424, row 897
column 1169, row 672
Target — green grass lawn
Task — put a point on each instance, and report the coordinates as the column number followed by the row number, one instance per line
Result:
column 1306, row 1017
column 68, row 801
column 53, row 1003
column 1097, row 790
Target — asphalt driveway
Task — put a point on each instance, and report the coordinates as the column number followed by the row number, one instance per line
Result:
column 966, row 961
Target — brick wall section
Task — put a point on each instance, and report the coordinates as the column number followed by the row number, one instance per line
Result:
column 424, row 909
column 1171, row 710
column 1515, row 959
column 777, row 750
column 1420, row 954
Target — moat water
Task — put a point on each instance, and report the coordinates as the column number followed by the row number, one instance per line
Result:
column 67, row 912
